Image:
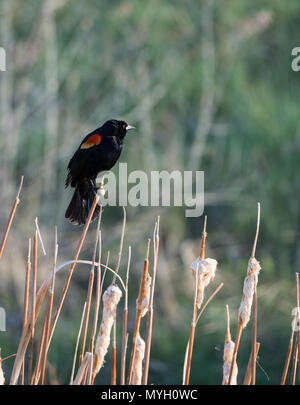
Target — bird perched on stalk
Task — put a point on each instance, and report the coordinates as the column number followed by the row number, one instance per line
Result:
column 98, row 152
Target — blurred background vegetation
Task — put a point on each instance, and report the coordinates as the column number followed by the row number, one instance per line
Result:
column 209, row 86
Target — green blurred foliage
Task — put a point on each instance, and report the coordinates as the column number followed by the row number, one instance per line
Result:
column 209, row 86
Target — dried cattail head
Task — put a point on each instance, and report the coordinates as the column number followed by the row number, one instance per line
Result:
column 206, row 270
column 250, row 284
column 137, row 368
column 111, row 298
column 142, row 302
column 228, row 356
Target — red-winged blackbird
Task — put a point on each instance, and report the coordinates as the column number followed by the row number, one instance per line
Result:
column 98, row 152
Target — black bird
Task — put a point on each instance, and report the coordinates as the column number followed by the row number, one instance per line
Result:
column 98, row 152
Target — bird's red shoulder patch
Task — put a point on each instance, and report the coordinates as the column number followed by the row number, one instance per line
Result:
column 92, row 140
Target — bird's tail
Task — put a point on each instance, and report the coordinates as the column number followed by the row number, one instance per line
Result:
column 81, row 203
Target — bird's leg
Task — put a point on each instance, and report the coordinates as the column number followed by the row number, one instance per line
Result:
column 94, row 186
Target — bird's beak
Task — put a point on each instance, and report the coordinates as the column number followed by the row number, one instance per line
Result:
column 129, row 127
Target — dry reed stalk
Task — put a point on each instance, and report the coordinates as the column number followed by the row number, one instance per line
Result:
column 34, row 284
column 113, row 380
column 77, row 344
column 250, row 285
column 88, row 300
column 111, row 298
column 288, row 358
column 137, row 368
column 49, row 315
column 40, row 236
column 26, row 302
column 85, row 365
column 197, row 320
column 25, row 338
column 254, row 336
column 204, row 272
column 192, row 335
column 121, row 245
column 298, row 323
column 2, row 378
column 203, row 239
column 36, row 373
column 208, row 301
column 295, row 324
column 89, row 292
column 185, row 361
column 11, row 217
column 294, row 367
column 248, row 375
column 205, row 267
column 149, row 326
column 124, row 326
column 99, row 285
column 26, row 335
column 142, row 305
column 228, row 353
column 72, row 267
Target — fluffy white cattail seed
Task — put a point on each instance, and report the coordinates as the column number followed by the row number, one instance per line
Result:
column 142, row 302
column 137, row 368
column 111, row 298
column 250, row 284
column 227, row 357
column 206, row 269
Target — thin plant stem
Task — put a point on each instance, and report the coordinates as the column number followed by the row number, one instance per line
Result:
column 192, row 333
column 254, row 337
column 150, row 309
column 72, row 267
column 125, row 317
column 50, row 298
column 248, row 375
column 77, row 344
column 138, row 316
column 114, row 357
column 26, row 302
column 11, row 217
column 30, row 358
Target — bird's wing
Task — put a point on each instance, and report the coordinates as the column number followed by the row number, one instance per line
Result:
column 90, row 141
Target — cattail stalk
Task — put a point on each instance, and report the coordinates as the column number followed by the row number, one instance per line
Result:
column 142, row 305
column 25, row 338
column 124, row 327
column 114, row 357
column 72, row 267
column 2, row 378
column 248, row 375
column 77, row 344
column 83, row 369
column 250, row 285
column 33, row 317
column 49, row 317
column 11, row 217
column 150, row 308
column 26, row 302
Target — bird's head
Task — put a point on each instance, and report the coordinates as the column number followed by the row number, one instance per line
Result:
column 116, row 128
